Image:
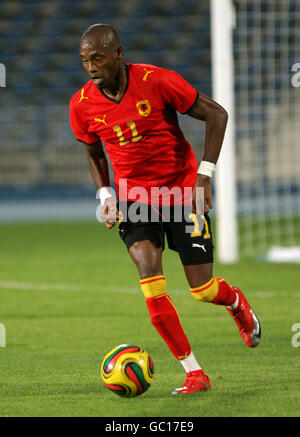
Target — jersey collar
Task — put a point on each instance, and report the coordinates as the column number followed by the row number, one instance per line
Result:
column 125, row 89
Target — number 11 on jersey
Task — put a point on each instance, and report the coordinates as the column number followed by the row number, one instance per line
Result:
column 135, row 136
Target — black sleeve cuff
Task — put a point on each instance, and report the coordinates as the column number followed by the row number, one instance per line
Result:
column 186, row 112
column 88, row 144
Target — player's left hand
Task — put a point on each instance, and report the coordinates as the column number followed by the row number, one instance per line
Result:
column 202, row 202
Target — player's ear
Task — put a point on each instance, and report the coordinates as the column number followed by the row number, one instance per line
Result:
column 119, row 52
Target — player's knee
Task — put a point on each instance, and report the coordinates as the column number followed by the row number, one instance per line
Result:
column 147, row 258
column 149, row 270
column 206, row 292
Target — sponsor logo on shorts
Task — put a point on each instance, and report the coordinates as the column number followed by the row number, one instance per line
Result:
column 201, row 246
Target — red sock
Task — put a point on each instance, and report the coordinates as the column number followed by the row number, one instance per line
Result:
column 226, row 294
column 165, row 319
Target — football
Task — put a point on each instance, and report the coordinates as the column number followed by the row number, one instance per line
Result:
column 127, row 370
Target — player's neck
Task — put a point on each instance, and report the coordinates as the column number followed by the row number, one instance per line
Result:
column 116, row 89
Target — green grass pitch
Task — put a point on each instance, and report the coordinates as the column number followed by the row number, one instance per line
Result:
column 69, row 293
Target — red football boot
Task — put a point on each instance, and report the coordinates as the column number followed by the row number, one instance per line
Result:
column 246, row 320
column 195, row 381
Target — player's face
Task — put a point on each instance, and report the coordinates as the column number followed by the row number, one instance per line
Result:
column 102, row 63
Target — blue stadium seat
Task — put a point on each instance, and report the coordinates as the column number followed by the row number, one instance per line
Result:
column 39, row 39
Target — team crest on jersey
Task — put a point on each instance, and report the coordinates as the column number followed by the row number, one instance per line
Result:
column 144, row 108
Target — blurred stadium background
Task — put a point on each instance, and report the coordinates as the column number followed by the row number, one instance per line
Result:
column 43, row 169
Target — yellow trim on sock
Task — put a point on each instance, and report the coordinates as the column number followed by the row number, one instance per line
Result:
column 153, row 286
column 206, row 292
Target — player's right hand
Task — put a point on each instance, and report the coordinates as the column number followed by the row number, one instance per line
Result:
column 110, row 215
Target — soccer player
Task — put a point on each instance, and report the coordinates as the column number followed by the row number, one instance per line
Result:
column 132, row 109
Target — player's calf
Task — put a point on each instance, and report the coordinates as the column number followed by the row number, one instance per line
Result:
column 165, row 319
column 164, row 316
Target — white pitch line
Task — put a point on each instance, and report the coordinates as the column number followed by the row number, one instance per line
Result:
column 14, row 285
column 23, row 286
column 31, row 286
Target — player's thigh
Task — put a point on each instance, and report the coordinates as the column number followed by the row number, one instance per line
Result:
column 145, row 244
column 147, row 256
column 192, row 239
column 196, row 247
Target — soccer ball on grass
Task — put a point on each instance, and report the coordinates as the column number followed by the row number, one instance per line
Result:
column 127, row 370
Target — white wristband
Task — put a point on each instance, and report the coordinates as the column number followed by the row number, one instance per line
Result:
column 206, row 168
column 103, row 194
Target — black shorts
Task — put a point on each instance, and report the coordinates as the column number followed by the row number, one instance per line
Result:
column 187, row 234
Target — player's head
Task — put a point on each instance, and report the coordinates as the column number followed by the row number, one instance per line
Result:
column 101, row 53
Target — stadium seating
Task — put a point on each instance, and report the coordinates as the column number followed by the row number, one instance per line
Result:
column 39, row 41
column 39, row 48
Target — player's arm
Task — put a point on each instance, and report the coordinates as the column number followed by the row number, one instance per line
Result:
column 97, row 164
column 99, row 172
column 179, row 94
column 215, row 117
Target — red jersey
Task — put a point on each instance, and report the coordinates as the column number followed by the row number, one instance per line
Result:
column 140, row 131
